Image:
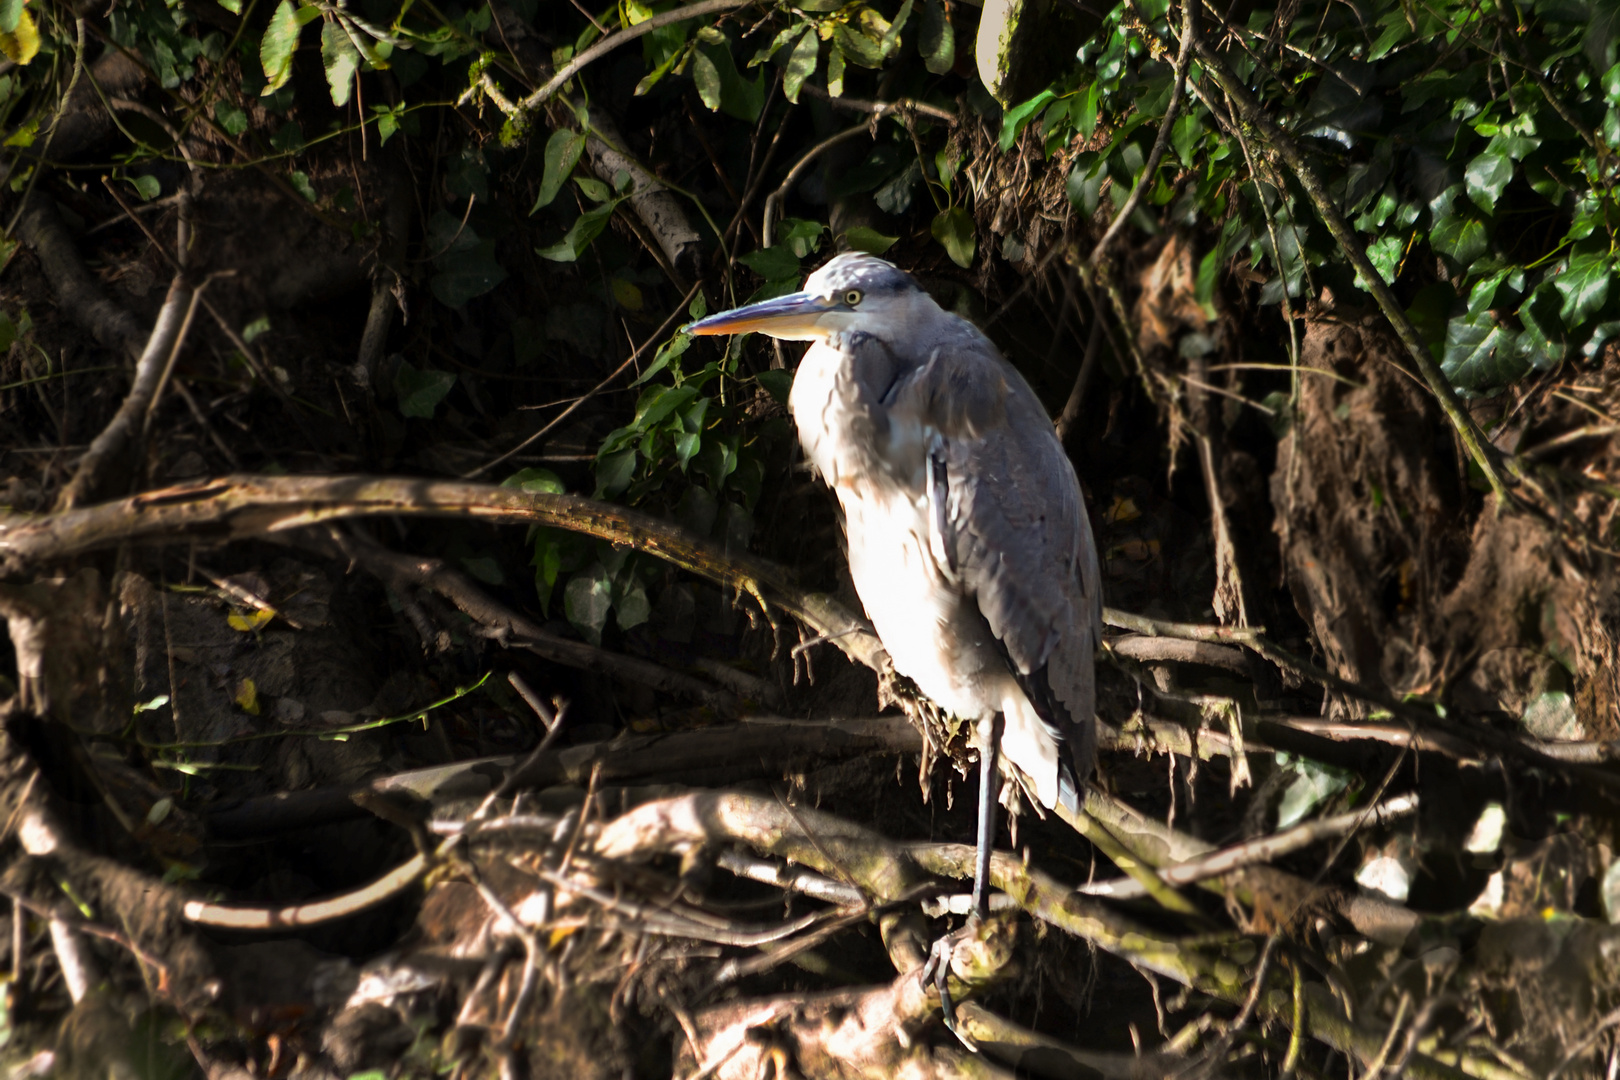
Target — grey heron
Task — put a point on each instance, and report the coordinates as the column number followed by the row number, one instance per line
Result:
column 969, row 543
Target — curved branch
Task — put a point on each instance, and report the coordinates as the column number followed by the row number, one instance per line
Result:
column 243, row 506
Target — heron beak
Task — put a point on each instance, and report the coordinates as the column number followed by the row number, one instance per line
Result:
column 793, row 317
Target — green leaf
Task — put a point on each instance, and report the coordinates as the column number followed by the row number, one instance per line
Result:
column 891, row 36
column 536, row 482
column 614, row 472
column 657, row 402
column 11, row 13
column 777, row 263
column 277, row 47
column 1476, row 357
column 586, row 228
column 707, row 77
column 937, row 39
column 593, row 189
column 835, row 71
column 801, row 64
column 1385, row 255
column 341, row 60
column 420, row 391
column 1459, row 236
column 1015, row 119
column 1483, row 294
column 1584, row 285
column 147, row 187
column 778, row 43
column 232, row 118
column 800, row 236
column 301, row 184
column 862, row 238
column 671, row 351
column 777, row 383
column 587, row 601
column 562, row 154
column 953, row 229
column 857, row 47
column 253, row 330
column 289, row 137
column 1486, row 176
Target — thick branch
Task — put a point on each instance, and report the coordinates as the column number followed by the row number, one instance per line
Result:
column 240, row 506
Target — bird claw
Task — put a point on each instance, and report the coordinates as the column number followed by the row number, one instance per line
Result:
column 938, row 969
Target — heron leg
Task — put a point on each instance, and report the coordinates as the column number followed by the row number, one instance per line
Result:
column 989, row 774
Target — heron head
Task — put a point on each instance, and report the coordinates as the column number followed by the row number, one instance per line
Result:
column 852, row 292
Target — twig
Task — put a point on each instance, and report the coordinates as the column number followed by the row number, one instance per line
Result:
column 1189, row 38
column 1261, row 850
column 900, row 105
column 248, row 917
column 773, row 203
column 656, row 335
column 624, row 37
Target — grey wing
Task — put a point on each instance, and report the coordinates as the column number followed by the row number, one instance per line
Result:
column 1015, row 534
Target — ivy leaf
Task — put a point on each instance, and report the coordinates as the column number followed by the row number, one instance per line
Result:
column 562, row 154
column 1584, row 285
column 587, row 601
column 466, row 263
column 277, row 47
column 232, row 118
column 1385, row 255
column 1487, row 175
column 341, row 60
column 707, row 77
column 1460, row 237
column 953, row 229
column 801, row 64
column 1476, row 356
column 937, row 39
column 421, row 390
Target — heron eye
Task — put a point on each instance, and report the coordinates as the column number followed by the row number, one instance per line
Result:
column 852, row 297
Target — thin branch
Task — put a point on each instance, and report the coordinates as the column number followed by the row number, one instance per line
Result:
column 1189, row 38
column 624, row 37
column 657, row 335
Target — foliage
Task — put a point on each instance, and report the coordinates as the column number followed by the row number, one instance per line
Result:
column 1471, row 145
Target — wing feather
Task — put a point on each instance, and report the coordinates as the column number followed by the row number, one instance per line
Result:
column 1014, row 527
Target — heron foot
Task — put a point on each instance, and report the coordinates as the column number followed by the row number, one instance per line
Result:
column 937, row 968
